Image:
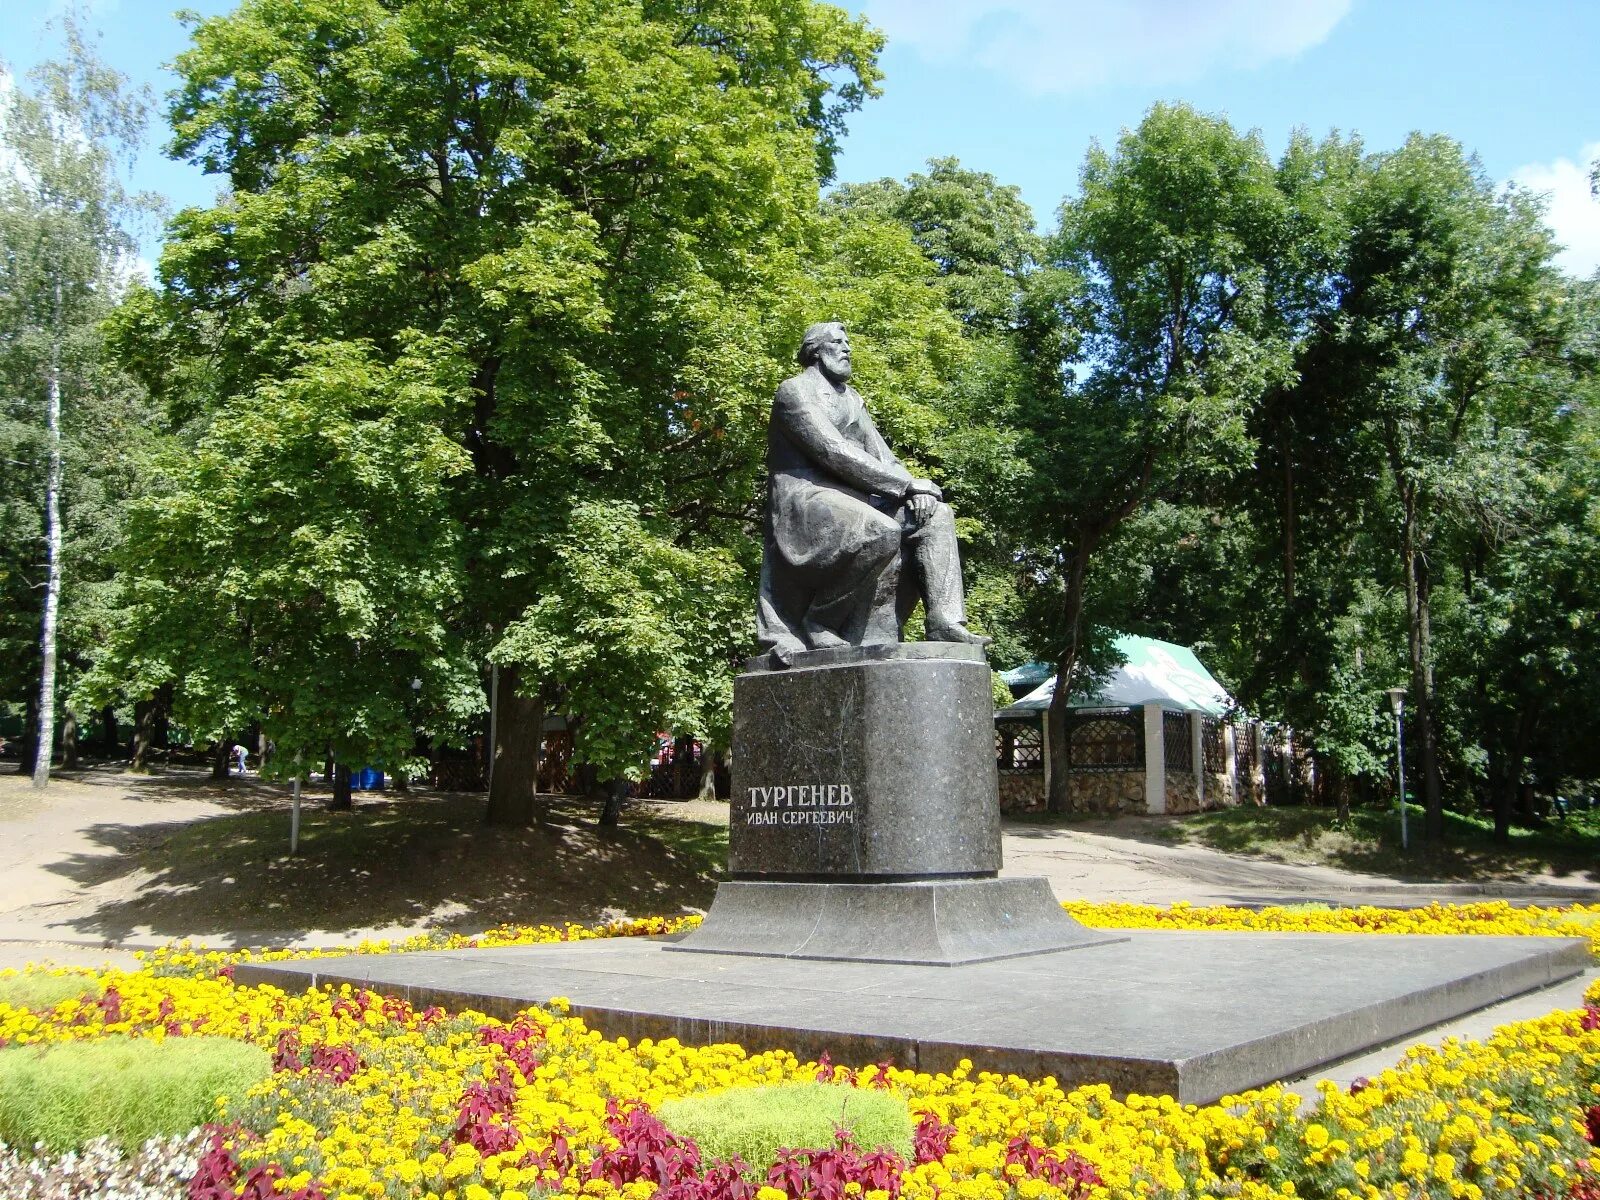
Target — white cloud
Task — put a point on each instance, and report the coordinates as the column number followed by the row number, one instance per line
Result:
column 1069, row 45
column 1572, row 210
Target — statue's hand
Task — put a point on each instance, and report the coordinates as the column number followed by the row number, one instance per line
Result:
column 922, row 506
column 925, row 487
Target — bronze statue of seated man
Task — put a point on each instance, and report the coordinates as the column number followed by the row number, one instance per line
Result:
column 852, row 538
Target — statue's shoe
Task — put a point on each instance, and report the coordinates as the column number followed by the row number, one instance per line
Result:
column 956, row 633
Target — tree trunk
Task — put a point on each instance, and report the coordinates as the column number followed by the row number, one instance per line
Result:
column 144, row 723
column 519, row 741
column 161, row 734
column 1509, row 782
column 1285, row 448
column 108, row 728
column 710, row 760
column 1420, row 644
column 52, row 544
column 616, row 791
column 340, row 800
column 1334, row 784
column 1525, row 808
column 69, row 741
column 219, row 760
column 583, row 781
column 1058, row 800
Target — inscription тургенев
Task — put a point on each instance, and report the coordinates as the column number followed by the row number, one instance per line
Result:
column 801, row 804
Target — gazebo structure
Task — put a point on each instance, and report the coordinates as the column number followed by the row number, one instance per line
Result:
column 1161, row 735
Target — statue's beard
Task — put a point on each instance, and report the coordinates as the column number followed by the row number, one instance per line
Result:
column 837, row 369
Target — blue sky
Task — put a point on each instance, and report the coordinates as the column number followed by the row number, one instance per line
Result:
column 1019, row 88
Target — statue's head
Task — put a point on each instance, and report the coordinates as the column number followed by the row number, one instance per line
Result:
column 828, row 346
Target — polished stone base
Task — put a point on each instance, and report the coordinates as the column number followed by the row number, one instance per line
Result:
column 866, row 763
column 1190, row 1015
column 930, row 922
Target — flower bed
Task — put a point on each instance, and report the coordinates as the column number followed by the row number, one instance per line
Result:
column 371, row 1098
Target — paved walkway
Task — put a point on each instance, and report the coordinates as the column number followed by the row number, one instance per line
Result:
column 1121, row 865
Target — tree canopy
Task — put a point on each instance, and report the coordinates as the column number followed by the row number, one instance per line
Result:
column 460, row 390
column 489, row 320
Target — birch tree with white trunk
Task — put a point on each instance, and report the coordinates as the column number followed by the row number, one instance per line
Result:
column 65, row 133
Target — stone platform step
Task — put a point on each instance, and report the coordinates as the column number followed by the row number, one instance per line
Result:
column 949, row 922
column 1188, row 1014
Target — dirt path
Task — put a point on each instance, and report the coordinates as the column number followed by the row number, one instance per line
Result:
column 104, row 860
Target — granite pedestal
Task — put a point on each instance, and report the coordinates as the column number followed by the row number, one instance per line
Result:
column 1191, row 1015
column 865, row 816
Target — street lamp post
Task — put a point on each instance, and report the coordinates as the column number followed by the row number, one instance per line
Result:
column 1397, row 705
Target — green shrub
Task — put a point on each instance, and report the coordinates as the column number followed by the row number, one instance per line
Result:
column 38, row 991
column 756, row 1122
column 127, row 1088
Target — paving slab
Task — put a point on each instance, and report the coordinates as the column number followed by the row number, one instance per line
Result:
column 1195, row 1015
column 1477, row 1026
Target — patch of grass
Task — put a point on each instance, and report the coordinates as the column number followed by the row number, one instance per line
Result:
column 420, row 859
column 1165, row 831
column 756, row 1122
column 38, row 991
column 129, row 1089
column 1369, row 840
column 697, row 841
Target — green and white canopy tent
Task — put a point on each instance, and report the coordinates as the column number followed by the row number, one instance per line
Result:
column 1154, row 672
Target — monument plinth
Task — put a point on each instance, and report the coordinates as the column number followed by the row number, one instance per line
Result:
column 865, row 816
column 865, row 764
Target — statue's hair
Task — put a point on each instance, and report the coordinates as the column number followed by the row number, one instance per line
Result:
column 811, row 345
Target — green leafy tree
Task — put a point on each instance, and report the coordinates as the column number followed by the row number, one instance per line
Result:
column 1442, row 306
column 1150, row 339
column 1275, row 574
column 300, row 565
column 586, row 235
column 69, row 422
column 978, row 233
column 1524, row 592
column 1435, row 357
column 634, row 633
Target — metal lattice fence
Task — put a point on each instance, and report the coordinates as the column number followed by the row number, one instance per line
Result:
column 463, row 771
column 555, row 763
column 1105, row 740
column 457, row 775
column 678, row 773
column 1019, row 745
column 1213, row 745
column 1176, row 747
column 1278, row 766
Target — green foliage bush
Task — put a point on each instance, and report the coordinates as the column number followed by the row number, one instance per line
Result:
column 129, row 1089
column 754, row 1123
column 38, row 991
